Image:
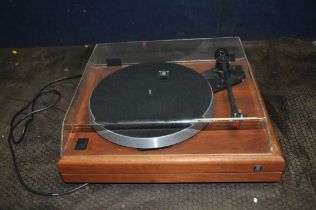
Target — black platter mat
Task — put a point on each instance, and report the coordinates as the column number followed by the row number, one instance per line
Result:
column 138, row 93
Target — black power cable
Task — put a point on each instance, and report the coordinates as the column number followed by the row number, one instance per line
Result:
column 28, row 118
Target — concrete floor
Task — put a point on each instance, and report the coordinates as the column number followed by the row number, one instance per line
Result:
column 285, row 70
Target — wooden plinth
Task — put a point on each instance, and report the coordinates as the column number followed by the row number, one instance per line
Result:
column 219, row 153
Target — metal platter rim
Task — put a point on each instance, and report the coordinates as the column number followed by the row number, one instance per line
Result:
column 151, row 142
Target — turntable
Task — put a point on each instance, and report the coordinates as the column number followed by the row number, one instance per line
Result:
column 169, row 111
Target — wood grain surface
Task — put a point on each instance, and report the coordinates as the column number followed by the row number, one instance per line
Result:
column 218, row 153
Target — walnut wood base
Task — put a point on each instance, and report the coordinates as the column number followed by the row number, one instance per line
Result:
column 219, row 153
column 173, row 178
